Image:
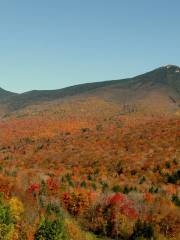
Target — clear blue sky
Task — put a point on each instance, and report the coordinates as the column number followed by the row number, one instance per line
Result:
column 48, row 44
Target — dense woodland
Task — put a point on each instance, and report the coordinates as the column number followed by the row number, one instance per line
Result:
column 92, row 161
column 90, row 178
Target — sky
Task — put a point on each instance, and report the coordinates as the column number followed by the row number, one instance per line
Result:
column 50, row 44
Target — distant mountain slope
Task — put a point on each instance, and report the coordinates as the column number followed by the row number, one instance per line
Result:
column 6, row 94
column 37, row 96
column 158, row 88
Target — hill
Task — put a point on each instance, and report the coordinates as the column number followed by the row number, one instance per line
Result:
column 158, row 90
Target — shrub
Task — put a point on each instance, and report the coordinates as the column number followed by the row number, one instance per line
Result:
column 83, row 184
column 169, row 224
column 94, row 185
column 104, row 186
column 142, row 180
column 53, row 208
column 5, row 216
column 52, row 226
column 168, row 165
column 16, row 209
column 76, row 233
column 52, row 185
column 128, row 189
column 89, row 177
column 153, row 189
column 175, row 161
column 6, row 231
column 95, row 220
column 142, row 230
column 6, row 221
column 176, row 200
column 51, row 230
column 174, row 178
column 76, row 202
column 133, row 172
column 116, row 188
column 120, row 227
column 112, row 216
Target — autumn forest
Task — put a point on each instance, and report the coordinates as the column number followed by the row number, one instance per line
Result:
column 85, row 167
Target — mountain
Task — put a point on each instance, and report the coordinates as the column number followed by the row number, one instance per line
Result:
column 5, row 94
column 153, row 91
column 78, row 153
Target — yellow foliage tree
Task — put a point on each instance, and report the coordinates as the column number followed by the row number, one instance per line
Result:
column 16, row 208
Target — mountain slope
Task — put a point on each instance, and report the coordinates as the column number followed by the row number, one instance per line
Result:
column 6, row 94
column 158, row 88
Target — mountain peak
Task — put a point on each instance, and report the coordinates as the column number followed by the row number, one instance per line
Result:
column 170, row 66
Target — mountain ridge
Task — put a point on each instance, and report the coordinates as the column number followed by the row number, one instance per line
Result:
column 163, row 82
column 165, row 67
